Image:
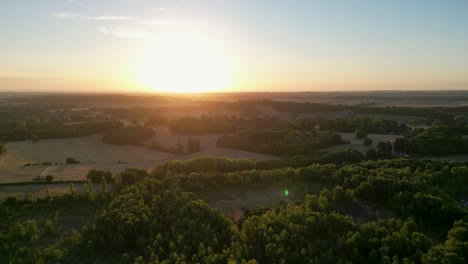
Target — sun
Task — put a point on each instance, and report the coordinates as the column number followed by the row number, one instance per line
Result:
column 185, row 64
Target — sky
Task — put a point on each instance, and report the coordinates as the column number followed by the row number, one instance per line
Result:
column 237, row 45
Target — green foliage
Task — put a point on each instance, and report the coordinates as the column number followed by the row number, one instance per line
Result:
column 96, row 176
column 131, row 135
column 384, row 149
column 155, row 220
column 280, row 142
column 131, row 176
column 145, row 223
column 205, row 164
column 367, row 142
column 49, row 178
column 103, row 186
column 76, row 130
column 71, row 161
column 193, row 145
column 359, row 134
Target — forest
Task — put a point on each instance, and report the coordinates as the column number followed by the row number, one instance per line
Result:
column 157, row 217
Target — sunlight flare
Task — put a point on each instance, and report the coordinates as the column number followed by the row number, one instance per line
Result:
column 185, row 64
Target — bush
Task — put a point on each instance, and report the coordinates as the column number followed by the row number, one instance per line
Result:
column 360, row 134
column 71, row 161
column 132, row 135
column 193, row 145
column 367, row 142
column 96, row 176
column 49, row 178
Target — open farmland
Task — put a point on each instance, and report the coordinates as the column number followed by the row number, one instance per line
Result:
column 94, row 154
column 40, row 190
column 90, row 151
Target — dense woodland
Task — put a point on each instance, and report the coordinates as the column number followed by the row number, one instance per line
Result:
column 156, row 218
column 129, row 135
column 280, row 142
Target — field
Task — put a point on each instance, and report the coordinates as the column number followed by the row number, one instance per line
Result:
column 94, row 154
column 234, row 202
column 229, row 153
column 40, row 190
column 457, row 158
column 357, row 143
column 90, row 151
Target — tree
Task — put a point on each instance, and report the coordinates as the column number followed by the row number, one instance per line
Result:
column 49, row 178
column 103, row 185
column 367, row 142
column 180, row 148
column 193, row 145
column 384, row 149
column 96, row 176
column 88, row 187
column 360, row 134
column 118, row 182
column 71, row 189
column 460, row 120
column 372, row 154
column 131, row 176
column 71, row 161
column 399, row 145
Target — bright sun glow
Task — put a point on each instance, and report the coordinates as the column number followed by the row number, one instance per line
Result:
column 185, row 65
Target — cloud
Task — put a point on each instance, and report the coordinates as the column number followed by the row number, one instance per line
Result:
column 126, row 32
column 222, row 29
column 82, row 5
column 159, row 9
column 66, row 15
column 162, row 22
column 118, row 18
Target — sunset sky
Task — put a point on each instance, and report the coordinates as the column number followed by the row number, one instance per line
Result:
column 238, row 45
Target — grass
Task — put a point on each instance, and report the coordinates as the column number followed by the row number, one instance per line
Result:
column 24, row 190
column 234, row 201
column 71, row 215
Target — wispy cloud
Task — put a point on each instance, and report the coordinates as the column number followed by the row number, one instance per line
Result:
column 66, row 15
column 126, row 32
column 82, row 5
column 222, row 29
column 162, row 22
column 116, row 18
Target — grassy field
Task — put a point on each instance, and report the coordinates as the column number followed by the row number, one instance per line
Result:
column 40, row 190
column 459, row 158
column 68, row 216
column 84, row 149
column 357, row 143
column 90, row 151
column 229, row 153
column 94, row 154
column 233, row 202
